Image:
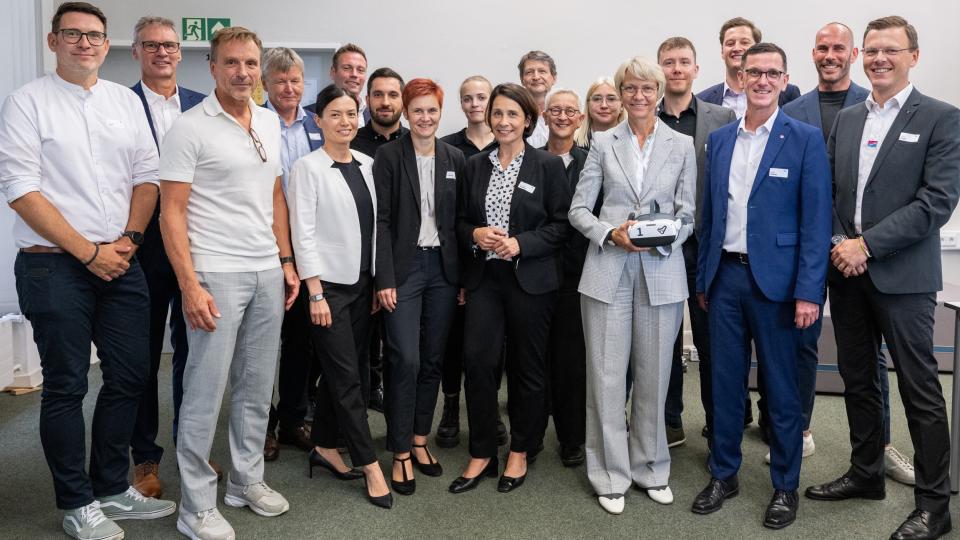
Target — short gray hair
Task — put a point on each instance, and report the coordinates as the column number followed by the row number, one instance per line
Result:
column 147, row 21
column 280, row 60
column 537, row 56
column 561, row 92
column 643, row 69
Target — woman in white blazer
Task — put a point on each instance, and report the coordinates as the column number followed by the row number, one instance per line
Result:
column 632, row 298
column 333, row 208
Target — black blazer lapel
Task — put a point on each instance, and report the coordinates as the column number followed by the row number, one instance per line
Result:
column 528, row 170
column 440, row 166
column 408, row 157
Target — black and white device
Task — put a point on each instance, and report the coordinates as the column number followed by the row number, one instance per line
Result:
column 654, row 229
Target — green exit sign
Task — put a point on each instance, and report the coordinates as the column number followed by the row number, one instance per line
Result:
column 202, row 28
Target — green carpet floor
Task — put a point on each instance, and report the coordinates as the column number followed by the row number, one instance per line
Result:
column 555, row 502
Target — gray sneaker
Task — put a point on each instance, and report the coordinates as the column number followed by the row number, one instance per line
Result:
column 206, row 525
column 131, row 504
column 89, row 523
column 259, row 497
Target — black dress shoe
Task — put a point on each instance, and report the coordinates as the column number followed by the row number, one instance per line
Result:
column 432, row 468
column 406, row 486
column 782, row 509
column 271, row 448
column 299, row 437
column 846, row 488
column 316, row 459
column 923, row 524
column 501, row 432
column 462, row 484
column 448, row 432
column 376, row 398
column 711, row 498
column 571, row 455
column 509, row 483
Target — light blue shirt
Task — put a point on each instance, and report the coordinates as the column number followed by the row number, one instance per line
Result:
column 293, row 143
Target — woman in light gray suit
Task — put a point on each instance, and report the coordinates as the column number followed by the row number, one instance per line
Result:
column 632, row 298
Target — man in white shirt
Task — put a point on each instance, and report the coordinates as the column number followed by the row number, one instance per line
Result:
column 78, row 167
column 349, row 71
column 157, row 48
column 538, row 74
column 225, row 228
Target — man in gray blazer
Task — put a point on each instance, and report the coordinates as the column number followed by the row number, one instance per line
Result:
column 693, row 117
column 896, row 166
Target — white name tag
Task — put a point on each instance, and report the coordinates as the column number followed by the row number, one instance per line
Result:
column 909, row 137
column 451, row 175
column 779, row 173
column 526, row 187
column 315, row 136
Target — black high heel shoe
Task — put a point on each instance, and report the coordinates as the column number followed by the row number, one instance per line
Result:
column 462, row 484
column 316, row 460
column 408, row 485
column 383, row 501
column 432, row 468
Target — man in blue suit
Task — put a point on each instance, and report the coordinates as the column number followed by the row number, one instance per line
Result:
column 157, row 47
column 764, row 244
column 736, row 36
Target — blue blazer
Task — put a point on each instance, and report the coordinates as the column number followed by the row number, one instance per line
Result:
column 313, row 131
column 806, row 108
column 788, row 215
column 714, row 95
column 188, row 98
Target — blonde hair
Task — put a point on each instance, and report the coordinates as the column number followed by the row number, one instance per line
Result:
column 643, row 69
column 232, row 33
column 582, row 136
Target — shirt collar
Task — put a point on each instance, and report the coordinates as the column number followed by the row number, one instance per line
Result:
column 495, row 155
column 767, row 126
column 301, row 114
column 727, row 91
column 896, row 101
column 153, row 96
column 212, row 106
column 74, row 88
column 692, row 107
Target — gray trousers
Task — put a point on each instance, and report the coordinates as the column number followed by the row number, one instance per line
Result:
column 243, row 349
column 628, row 331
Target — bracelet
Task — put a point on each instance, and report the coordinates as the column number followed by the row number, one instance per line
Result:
column 96, row 251
column 863, row 246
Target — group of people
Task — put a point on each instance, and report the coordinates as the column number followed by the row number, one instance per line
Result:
column 331, row 236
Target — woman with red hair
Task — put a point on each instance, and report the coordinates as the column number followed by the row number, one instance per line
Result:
column 416, row 178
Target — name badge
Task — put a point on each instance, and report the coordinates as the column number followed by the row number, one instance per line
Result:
column 451, row 175
column 909, row 137
column 526, row 187
column 779, row 173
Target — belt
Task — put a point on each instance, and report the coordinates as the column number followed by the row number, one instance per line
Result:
column 41, row 249
column 427, row 248
column 741, row 258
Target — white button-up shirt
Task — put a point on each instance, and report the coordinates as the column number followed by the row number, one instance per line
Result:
column 163, row 111
column 83, row 150
column 538, row 138
column 875, row 128
column 747, row 153
column 642, row 155
column 734, row 100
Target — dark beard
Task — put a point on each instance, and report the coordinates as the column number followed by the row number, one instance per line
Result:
column 392, row 121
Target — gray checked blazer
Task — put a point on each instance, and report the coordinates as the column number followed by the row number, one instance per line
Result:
column 670, row 180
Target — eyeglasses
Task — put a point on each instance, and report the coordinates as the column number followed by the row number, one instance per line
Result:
column 598, row 99
column 259, row 145
column 872, row 52
column 631, row 90
column 569, row 112
column 154, row 46
column 73, row 36
column 756, row 74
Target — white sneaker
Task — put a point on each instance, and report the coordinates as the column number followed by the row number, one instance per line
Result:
column 611, row 503
column 206, row 525
column 89, row 523
column 898, row 466
column 662, row 495
column 809, row 448
column 259, row 497
column 131, row 504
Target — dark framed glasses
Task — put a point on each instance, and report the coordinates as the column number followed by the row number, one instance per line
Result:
column 154, row 46
column 259, row 145
column 73, row 36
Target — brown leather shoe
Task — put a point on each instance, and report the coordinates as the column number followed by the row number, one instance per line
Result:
column 216, row 469
column 146, row 479
column 271, row 448
column 299, row 437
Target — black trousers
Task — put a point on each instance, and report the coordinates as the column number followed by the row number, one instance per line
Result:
column 164, row 298
column 567, row 366
column 69, row 307
column 344, row 362
column 415, row 335
column 861, row 316
column 296, row 360
column 497, row 310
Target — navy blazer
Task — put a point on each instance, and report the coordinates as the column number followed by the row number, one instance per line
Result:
column 806, row 108
column 714, row 95
column 188, row 98
column 788, row 214
column 313, row 132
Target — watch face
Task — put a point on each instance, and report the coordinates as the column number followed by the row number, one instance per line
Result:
column 837, row 238
column 135, row 237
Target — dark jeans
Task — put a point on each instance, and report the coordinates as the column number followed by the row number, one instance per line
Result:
column 296, row 359
column 344, row 361
column 69, row 308
column 567, row 366
column 415, row 335
column 164, row 299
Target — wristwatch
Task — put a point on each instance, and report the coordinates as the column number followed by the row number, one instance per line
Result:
column 285, row 260
column 135, row 236
column 316, row 297
column 837, row 239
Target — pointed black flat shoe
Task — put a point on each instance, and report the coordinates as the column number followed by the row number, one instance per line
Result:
column 509, row 483
column 463, row 484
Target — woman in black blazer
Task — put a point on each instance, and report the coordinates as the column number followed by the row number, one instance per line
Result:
column 417, row 278
column 511, row 226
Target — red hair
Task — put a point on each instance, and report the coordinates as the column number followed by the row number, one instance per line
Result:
column 422, row 87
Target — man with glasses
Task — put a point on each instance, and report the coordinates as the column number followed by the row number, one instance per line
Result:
column 157, row 48
column 761, row 269
column 896, row 162
column 693, row 117
column 79, row 168
column 226, row 232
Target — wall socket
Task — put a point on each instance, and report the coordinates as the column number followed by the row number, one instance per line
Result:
column 949, row 240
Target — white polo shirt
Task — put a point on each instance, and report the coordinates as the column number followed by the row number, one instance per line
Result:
column 230, row 210
column 84, row 150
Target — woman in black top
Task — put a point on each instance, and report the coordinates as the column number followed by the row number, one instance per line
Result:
column 333, row 209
